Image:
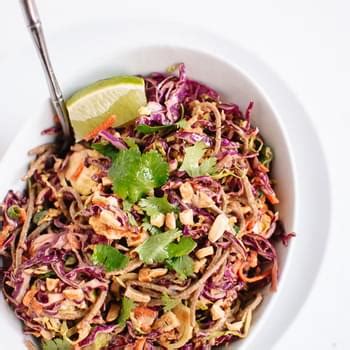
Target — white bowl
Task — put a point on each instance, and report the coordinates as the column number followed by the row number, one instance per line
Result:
column 234, row 85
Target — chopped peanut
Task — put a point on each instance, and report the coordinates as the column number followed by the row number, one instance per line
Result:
column 187, row 192
column 202, row 200
column 203, row 252
column 167, row 322
column 158, row 220
column 136, row 295
column 186, row 217
column 170, row 221
column 146, row 274
column 106, row 181
column 216, row 311
column 110, row 200
column 218, row 228
column 113, row 312
column 109, row 219
column 199, row 264
column 74, row 294
column 51, row 284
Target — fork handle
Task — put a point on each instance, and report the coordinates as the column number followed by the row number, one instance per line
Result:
column 35, row 28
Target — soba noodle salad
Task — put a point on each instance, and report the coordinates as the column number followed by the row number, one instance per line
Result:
column 154, row 235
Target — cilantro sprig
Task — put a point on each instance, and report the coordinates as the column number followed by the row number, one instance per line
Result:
column 154, row 205
column 169, row 303
column 154, row 249
column 14, row 212
column 183, row 265
column 184, row 247
column 106, row 150
column 193, row 163
column 109, row 257
column 127, row 306
column 134, row 174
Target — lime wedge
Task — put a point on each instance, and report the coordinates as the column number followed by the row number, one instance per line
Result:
column 89, row 107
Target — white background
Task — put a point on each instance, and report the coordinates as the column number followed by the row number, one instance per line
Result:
column 308, row 44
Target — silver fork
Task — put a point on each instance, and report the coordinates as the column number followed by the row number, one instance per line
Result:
column 35, row 28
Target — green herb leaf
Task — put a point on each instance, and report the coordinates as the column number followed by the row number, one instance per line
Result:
column 134, row 175
column 127, row 206
column 184, row 247
column 132, row 220
column 236, row 228
column 106, row 150
column 182, row 265
column 146, row 129
column 266, row 155
column 14, row 212
column 153, row 206
column 169, row 303
column 154, row 249
column 153, row 230
column 191, row 163
column 39, row 216
column 57, row 344
column 46, row 275
column 111, row 258
column 130, row 141
column 127, row 306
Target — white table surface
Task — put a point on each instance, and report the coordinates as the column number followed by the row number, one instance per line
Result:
column 308, row 44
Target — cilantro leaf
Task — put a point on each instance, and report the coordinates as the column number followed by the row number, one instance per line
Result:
column 57, row 344
column 154, row 170
column 127, row 306
column 182, row 265
column 39, row 216
column 154, row 248
column 14, row 212
column 153, row 230
column 191, row 163
column 127, row 206
column 208, row 166
column 130, row 141
column 106, row 150
column 154, row 205
column 168, row 302
column 125, row 166
column 111, row 258
column 184, row 247
column 146, row 129
column 266, row 155
column 135, row 174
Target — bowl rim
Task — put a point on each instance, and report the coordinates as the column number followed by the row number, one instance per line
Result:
column 265, row 94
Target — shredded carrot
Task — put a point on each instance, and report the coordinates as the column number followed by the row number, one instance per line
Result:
column 257, row 278
column 4, row 234
column 23, row 214
column 103, row 126
column 78, row 171
column 272, row 198
column 250, row 224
